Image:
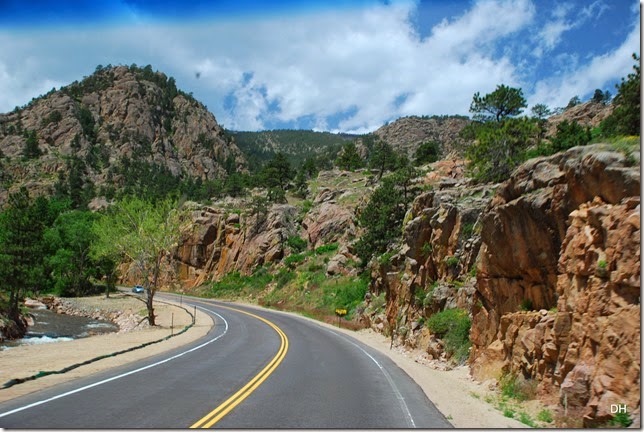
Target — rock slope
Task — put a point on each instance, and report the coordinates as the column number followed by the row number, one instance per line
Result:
column 407, row 133
column 105, row 124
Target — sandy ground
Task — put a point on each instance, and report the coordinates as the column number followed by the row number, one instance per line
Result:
column 453, row 392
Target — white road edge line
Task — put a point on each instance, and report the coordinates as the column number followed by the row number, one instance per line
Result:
column 78, row 390
column 399, row 396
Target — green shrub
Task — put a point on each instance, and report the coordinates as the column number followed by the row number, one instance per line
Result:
column 526, row 305
column 620, row 419
column 294, row 259
column 426, row 249
column 468, row 229
column 385, row 258
column 283, row 277
column 545, row 416
column 453, row 326
column 331, row 247
column 570, row 134
column 515, row 388
column 296, row 243
column 235, row 282
column 452, row 261
column 526, row 419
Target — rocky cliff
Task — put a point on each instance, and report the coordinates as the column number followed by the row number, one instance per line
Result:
column 548, row 266
column 557, row 293
column 100, row 128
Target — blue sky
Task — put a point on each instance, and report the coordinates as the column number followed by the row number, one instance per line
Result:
column 336, row 65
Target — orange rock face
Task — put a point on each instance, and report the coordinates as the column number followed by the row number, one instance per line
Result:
column 558, row 290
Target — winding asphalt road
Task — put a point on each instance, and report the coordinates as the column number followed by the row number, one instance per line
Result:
column 255, row 369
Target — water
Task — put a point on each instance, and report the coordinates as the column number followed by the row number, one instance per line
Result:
column 51, row 327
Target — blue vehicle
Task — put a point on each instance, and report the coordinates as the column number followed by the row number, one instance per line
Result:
column 138, row 289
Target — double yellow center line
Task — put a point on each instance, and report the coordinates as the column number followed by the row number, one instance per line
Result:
column 218, row 413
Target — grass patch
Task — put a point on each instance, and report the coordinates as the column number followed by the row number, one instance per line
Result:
column 526, row 419
column 508, row 412
column 235, row 283
column 293, row 259
column 468, row 230
column 545, row 416
column 516, row 388
column 453, row 326
column 452, row 261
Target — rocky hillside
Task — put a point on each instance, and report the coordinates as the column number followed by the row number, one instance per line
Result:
column 407, row 133
column 118, row 125
column 296, row 145
column 589, row 114
column 546, row 264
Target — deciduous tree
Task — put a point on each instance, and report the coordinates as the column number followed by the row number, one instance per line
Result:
column 143, row 233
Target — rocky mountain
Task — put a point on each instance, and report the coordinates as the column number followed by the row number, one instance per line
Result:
column 407, row 133
column 119, row 125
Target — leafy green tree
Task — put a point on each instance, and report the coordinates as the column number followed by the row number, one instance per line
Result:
column 277, row 172
column 276, row 195
column 601, row 97
column 382, row 217
column 310, row 167
column 301, row 186
column 383, row 157
column 234, row 185
column 349, row 158
column 86, row 120
column 574, row 101
column 502, row 103
column 541, row 112
column 70, row 239
column 22, row 225
column 570, row 134
column 427, row 152
column 625, row 118
column 500, row 148
column 31, row 149
column 142, row 233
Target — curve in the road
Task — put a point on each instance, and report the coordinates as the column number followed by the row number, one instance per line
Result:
column 218, row 413
column 123, row 375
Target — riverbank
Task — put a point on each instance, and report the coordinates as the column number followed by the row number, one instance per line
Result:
column 27, row 360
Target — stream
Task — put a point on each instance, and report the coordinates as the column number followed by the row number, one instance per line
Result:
column 52, row 327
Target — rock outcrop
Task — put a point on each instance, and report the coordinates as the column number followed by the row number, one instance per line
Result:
column 430, row 271
column 557, row 293
column 222, row 241
column 589, row 114
column 407, row 133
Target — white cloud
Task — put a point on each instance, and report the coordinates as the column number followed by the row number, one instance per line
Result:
column 557, row 90
column 344, row 69
column 553, row 30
